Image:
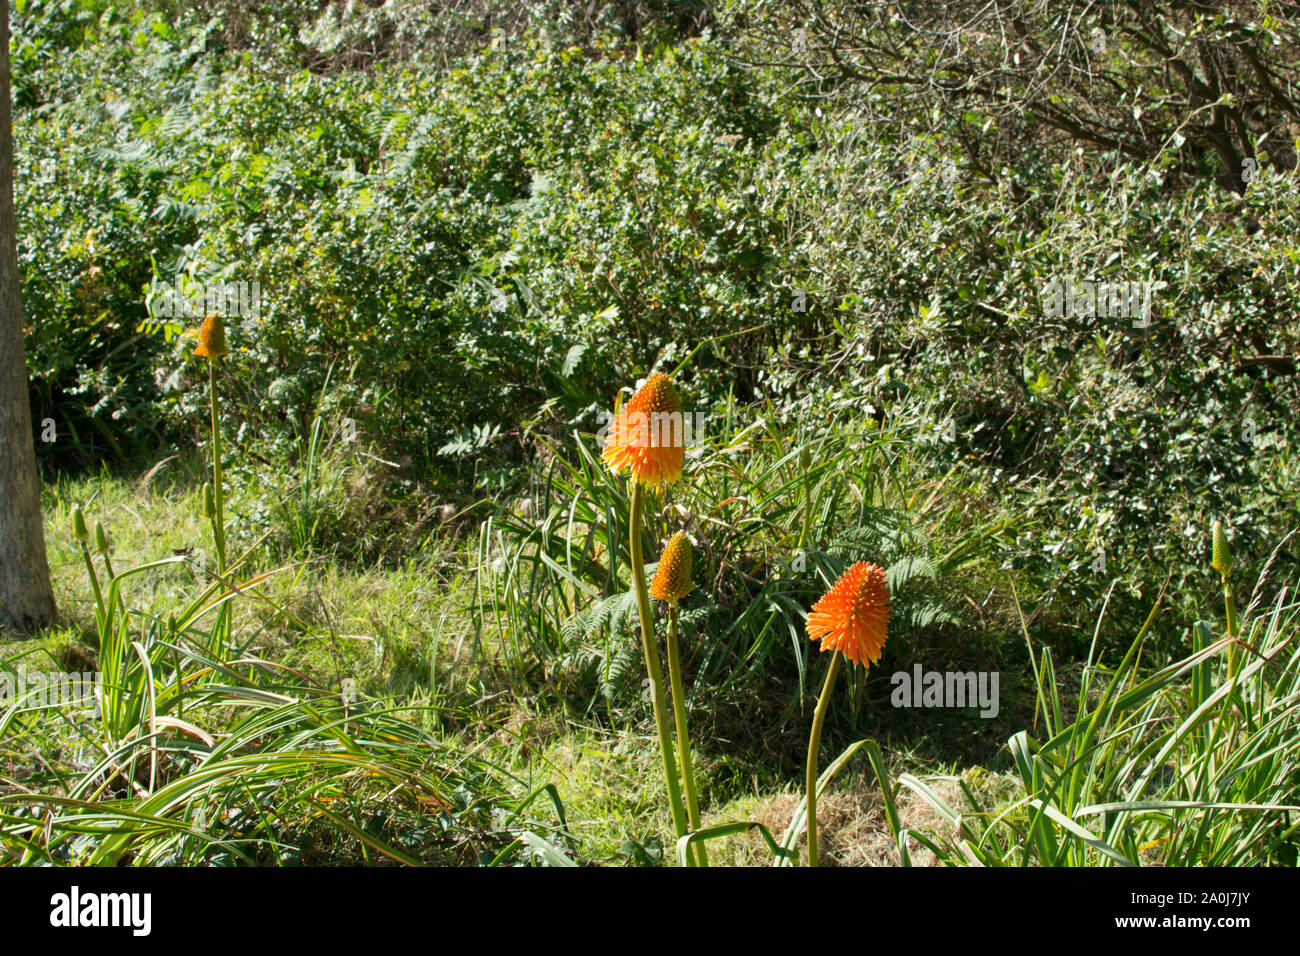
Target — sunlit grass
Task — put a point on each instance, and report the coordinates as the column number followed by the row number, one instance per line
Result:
column 459, row 655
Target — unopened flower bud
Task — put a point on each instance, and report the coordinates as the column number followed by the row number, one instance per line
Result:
column 1221, row 557
column 672, row 580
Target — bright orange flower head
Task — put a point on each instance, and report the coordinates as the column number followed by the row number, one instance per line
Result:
column 647, row 437
column 853, row 617
column 212, row 339
column 672, row 580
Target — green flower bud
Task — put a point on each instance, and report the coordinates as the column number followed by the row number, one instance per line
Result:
column 672, row 580
column 1221, row 559
column 101, row 539
column 78, row 523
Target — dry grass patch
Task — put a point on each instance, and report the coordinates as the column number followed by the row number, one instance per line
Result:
column 852, row 827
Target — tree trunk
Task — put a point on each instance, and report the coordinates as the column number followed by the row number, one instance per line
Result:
column 26, row 597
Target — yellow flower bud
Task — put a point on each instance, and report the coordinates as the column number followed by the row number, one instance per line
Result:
column 1221, row 558
column 672, row 580
column 212, row 338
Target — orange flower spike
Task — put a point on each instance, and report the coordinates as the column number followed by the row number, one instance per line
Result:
column 647, row 437
column 212, row 339
column 853, row 617
column 672, row 580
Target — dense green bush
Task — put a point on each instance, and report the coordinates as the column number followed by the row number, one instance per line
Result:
column 439, row 246
column 1103, row 439
column 468, row 258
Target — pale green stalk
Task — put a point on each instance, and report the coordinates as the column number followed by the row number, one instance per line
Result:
column 651, row 650
column 683, row 735
column 218, row 522
column 814, row 742
column 222, row 630
column 94, row 580
column 1230, row 611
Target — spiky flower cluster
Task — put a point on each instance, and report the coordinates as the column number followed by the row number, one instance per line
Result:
column 853, row 617
column 672, row 580
column 647, row 437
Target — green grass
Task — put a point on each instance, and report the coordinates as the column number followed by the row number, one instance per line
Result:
column 252, row 752
column 405, row 634
column 1182, row 765
column 488, row 729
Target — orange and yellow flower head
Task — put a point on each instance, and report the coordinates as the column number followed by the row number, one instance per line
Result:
column 672, row 580
column 647, row 436
column 212, row 339
column 853, row 617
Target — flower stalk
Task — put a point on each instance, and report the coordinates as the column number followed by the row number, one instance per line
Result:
column 212, row 346
column 101, row 545
column 1222, row 561
column 80, row 532
column 683, row 734
column 218, row 517
column 814, row 742
column 650, row 649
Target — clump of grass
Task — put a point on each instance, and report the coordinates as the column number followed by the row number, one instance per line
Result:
column 1193, row 764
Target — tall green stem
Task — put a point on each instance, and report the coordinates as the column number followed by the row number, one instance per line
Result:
column 108, row 569
column 1230, row 611
column 219, row 521
column 651, row 650
column 94, row 585
column 222, row 631
column 814, row 742
column 683, row 735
